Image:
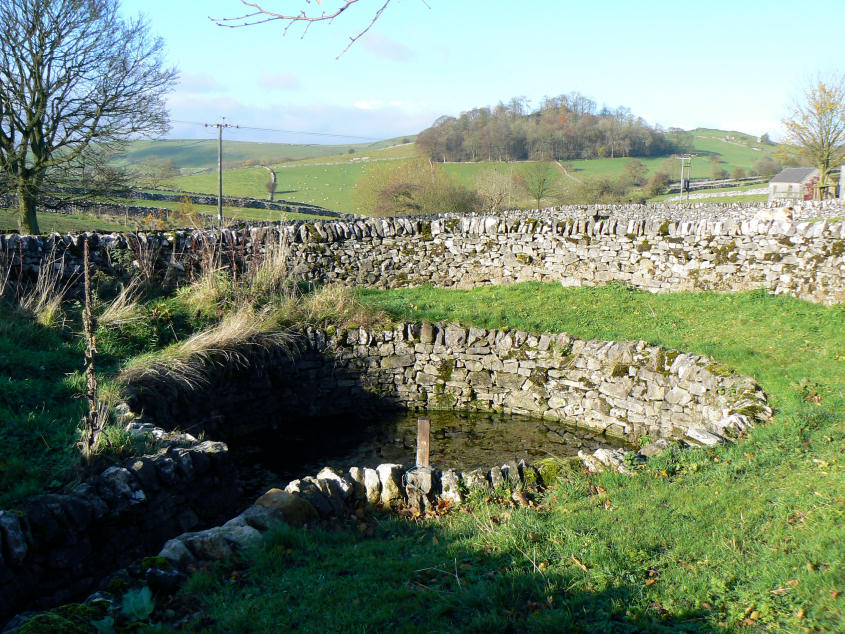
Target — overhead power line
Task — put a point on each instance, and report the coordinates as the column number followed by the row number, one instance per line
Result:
column 320, row 134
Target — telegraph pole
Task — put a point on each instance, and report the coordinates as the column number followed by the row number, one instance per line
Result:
column 686, row 165
column 220, row 127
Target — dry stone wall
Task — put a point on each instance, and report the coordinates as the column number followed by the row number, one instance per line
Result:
column 623, row 389
column 804, row 259
column 56, row 546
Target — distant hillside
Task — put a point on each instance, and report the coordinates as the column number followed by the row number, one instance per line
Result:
column 330, row 181
column 193, row 155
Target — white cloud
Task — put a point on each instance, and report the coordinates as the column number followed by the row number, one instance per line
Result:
column 386, row 48
column 199, row 83
column 377, row 120
column 279, row 81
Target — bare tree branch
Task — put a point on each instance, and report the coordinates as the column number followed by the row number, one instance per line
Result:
column 258, row 14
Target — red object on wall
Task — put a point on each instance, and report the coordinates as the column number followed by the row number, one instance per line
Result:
column 810, row 187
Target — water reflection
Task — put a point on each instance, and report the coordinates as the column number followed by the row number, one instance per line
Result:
column 459, row 440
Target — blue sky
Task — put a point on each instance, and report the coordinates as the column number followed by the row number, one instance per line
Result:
column 725, row 64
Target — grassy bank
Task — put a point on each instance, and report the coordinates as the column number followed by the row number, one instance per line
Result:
column 746, row 535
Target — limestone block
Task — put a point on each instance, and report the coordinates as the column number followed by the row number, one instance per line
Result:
column 344, row 486
column 359, row 491
column 592, row 463
column 678, row 396
column 496, row 478
column 119, row 489
column 450, row 486
column 509, row 381
column 475, row 480
column 654, row 449
column 390, row 478
column 426, row 333
column 295, row 509
column 208, row 545
column 177, row 553
column 262, row 518
column 241, row 536
column 733, row 423
column 318, row 494
column 524, row 400
column 510, row 472
column 454, row 336
column 702, row 437
column 372, row 486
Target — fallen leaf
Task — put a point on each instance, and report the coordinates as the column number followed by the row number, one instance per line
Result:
column 792, row 583
column 799, row 613
column 579, row 563
column 649, row 582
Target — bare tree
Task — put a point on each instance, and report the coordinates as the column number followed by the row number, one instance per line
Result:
column 257, row 13
column 73, row 75
column 816, row 125
column 538, row 180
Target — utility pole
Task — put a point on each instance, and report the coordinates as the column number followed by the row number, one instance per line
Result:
column 686, row 165
column 220, row 127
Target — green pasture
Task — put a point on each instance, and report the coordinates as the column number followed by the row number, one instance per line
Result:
column 202, row 154
column 61, row 223
column 330, row 180
column 744, row 537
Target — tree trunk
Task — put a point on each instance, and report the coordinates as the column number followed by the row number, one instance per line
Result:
column 27, row 221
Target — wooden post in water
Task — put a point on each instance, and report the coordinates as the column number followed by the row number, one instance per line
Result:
column 423, row 441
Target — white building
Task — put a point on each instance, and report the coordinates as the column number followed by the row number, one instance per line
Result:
column 793, row 183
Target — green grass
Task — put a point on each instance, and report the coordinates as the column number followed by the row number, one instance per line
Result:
column 745, row 535
column 40, row 370
column 329, row 186
column 202, row 154
column 70, row 223
column 42, row 387
column 329, row 181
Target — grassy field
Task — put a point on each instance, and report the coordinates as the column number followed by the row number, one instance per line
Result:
column 61, row 223
column 745, row 535
column 202, row 154
column 742, row 536
column 330, row 181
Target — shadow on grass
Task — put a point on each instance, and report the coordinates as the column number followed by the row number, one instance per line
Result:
column 419, row 577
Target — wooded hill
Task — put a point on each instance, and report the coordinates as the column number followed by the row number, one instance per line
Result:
column 567, row 127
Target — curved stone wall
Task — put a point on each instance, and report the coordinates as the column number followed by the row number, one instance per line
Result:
column 623, row 389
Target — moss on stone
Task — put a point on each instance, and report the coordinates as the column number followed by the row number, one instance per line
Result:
column 445, row 369
column 118, row 585
column 425, row 232
column 663, row 230
column 553, row 469
column 620, row 370
column 644, row 246
column 524, row 258
column 159, row 563
column 718, row 369
column 313, row 234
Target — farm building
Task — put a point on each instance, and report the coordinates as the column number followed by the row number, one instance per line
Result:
column 794, row 183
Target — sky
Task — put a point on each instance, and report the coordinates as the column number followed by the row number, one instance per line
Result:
column 734, row 65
